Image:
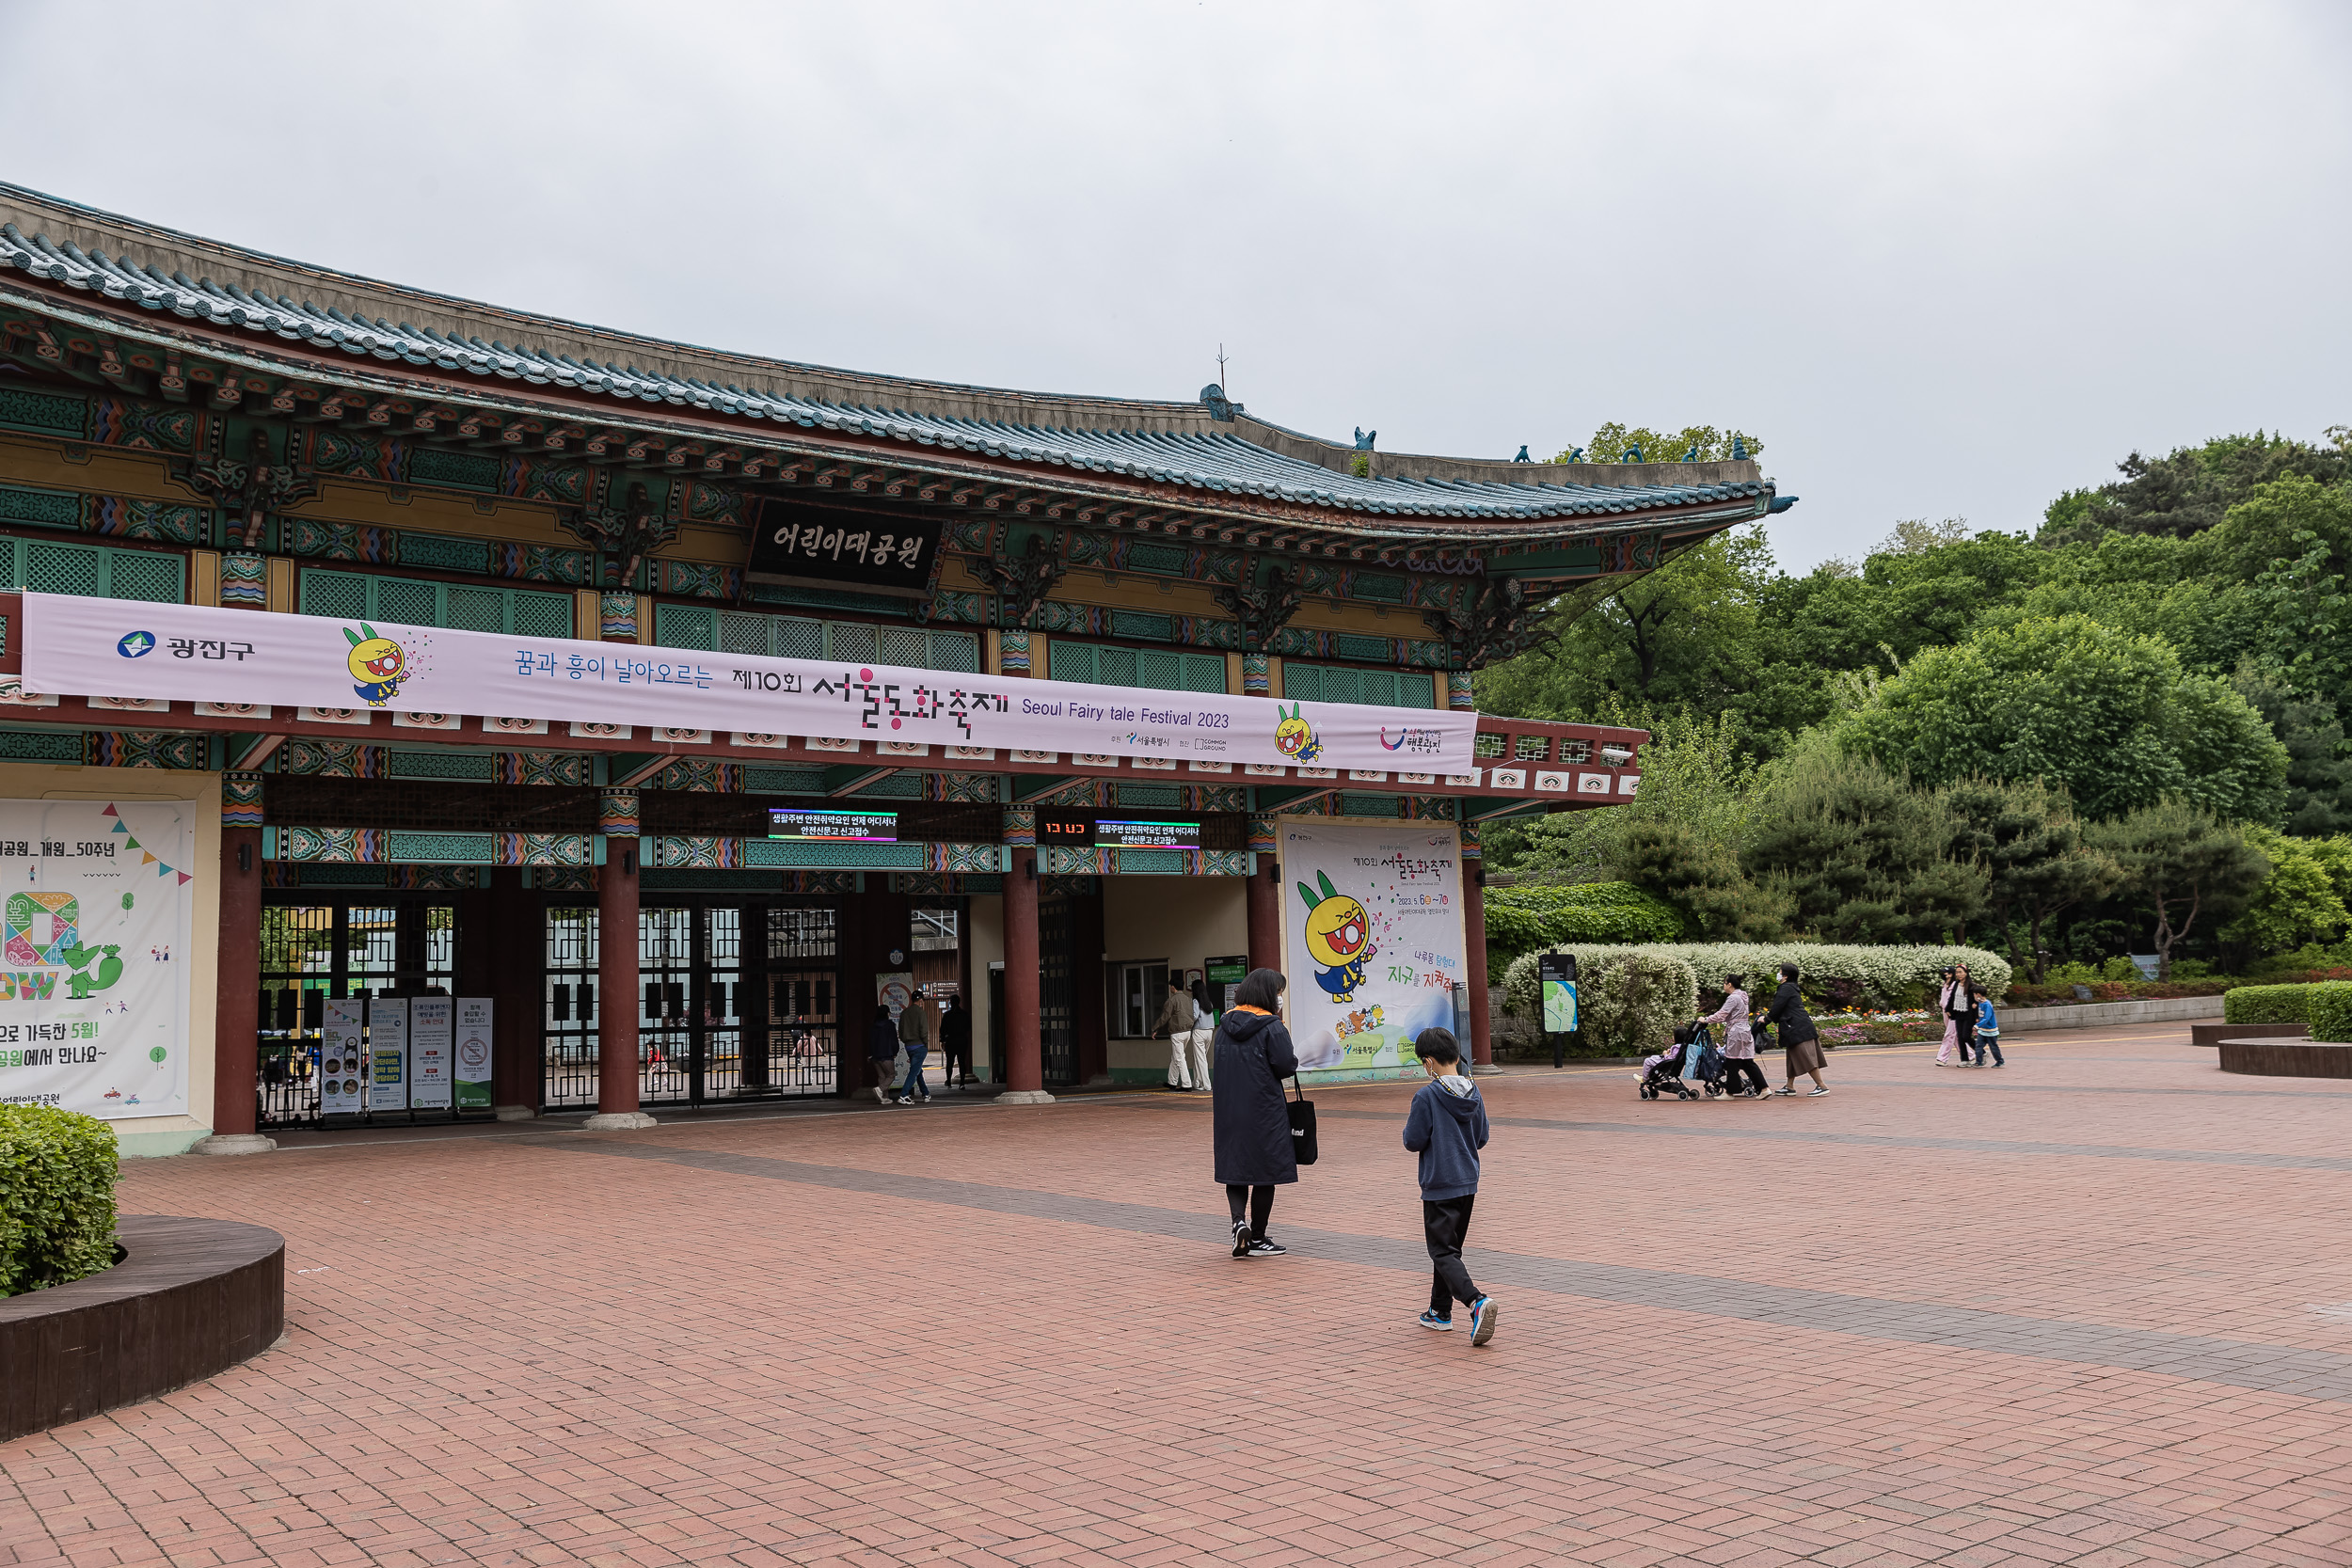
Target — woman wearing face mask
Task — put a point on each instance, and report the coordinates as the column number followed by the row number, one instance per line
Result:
column 1254, row 1150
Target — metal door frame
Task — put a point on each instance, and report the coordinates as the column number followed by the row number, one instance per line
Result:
column 286, row 1076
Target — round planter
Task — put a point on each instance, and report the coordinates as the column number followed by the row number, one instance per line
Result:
column 190, row 1298
column 2277, row 1058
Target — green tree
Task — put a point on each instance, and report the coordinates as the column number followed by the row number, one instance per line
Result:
column 1858, row 854
column 2296, row 903
column 2319, row 778
column 2181, row 862
column 2191, row 488
column 2025, row 833
column 2109, row 715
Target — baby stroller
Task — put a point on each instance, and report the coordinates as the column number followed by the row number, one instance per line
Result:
column 1694, row 1066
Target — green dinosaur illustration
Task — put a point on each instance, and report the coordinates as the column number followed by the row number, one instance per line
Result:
column 79, row 984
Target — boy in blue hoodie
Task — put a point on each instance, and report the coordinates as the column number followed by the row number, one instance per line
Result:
column 1447, row 1128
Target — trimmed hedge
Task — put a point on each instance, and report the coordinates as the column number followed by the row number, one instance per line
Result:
column 1524, row 919
column 2330, row 1012
column 1835, row 977
column 57, row 1174
column 2267, row 1004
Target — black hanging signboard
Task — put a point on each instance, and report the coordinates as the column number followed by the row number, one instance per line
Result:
column 821, row 544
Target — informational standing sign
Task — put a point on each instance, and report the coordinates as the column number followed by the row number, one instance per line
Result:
column 343, row 1056
column 431, row 1042
column 388, row 1053
column 472, row 1049
column 95, row 938
column 1556, row 972
column 1372, row 938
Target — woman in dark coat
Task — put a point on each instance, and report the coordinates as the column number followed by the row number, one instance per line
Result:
column 1254, row 1152
column 1798, row 1037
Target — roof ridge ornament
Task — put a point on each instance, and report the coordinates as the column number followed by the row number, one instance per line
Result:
column 1363, row 441
column 1222, row 408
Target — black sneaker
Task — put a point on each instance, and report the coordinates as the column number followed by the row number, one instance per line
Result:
column 1263, row 1248
column 1241, row 1239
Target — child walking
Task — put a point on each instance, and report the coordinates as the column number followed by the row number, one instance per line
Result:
column 1447, row 1128
column 1988, row 1030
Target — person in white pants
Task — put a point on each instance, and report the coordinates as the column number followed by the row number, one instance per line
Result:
column 1177, row 1019
column 1203, row 1039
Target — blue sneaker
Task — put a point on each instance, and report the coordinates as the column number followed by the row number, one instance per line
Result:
column 1443, row 1325
column 1483, row 1312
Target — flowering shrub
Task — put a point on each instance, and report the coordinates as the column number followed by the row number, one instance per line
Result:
column 1838, row 976
column 1630, row 1001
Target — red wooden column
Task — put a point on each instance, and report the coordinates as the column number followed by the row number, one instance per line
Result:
column 1264, row 890
column 237, row 1004
column 616, row 966
column 1024, row 1054
column 1482, row 1039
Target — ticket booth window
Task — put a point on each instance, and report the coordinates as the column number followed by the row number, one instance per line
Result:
column 1138, row 992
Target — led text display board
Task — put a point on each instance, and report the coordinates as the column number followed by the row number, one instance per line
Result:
column 833, row 827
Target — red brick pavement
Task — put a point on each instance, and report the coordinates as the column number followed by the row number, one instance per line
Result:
column 508, row 1352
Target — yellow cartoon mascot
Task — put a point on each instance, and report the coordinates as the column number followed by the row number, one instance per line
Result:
column 376, row 664
column 1293, row 736
column 1339, row 938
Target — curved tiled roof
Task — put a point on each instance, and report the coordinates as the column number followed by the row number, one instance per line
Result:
column 1211, row 461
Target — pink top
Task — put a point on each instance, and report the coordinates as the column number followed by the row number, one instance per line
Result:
column 1739, row 1041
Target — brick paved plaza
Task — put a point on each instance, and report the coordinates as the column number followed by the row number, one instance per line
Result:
column 2092, row 1309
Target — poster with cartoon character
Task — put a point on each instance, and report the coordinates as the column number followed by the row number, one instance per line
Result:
column 95, row 921
column 1372, row 938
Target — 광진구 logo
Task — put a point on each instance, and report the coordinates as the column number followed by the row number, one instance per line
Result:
column 137, row 644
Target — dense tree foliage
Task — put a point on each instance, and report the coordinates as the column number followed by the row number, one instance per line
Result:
column 1976, row 733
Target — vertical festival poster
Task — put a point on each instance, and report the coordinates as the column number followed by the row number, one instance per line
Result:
column 96, row 909
column 1372, row 938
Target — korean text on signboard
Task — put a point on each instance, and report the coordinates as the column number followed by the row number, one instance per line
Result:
column 791, row 542
column 833, row 827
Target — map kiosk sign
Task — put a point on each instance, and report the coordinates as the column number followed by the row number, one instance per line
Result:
column 96, row 905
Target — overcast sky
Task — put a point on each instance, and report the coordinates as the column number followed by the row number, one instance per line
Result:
column 1944, row 263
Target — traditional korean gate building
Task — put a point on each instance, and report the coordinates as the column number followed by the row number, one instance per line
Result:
column 187, row 423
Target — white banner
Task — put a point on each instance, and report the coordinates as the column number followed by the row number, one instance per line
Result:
column 342, row 1057
column 196, row 654
column 432, row 1036
column 473, row 1052
column 388, row 1053
column 1372, row 937
column 95, row 901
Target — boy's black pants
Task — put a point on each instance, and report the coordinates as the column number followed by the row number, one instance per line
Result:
column 1446, row 1223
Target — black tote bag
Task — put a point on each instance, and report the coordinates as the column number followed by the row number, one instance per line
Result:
column 1302, row 1115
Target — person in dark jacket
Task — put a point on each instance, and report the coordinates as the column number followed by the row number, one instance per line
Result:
column 1797, row 1037
column 1254, row 1152
column 955, row 1040
column 1447, row 1127
column 882, row 1051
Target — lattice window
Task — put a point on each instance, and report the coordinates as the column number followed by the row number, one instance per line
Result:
column 851, row 643
column 799, row 638
column 1488, row 747
column 737, row 634
column 59, row 569
column 1330, row 683
column 677, row 626
column 1152, row 669
column 957, row 651
column 1532, row 748
column 411, row 601
column 475, row 609
column 905, row 648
